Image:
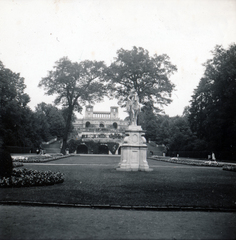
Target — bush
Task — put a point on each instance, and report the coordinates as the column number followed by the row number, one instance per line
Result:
column 6, row 165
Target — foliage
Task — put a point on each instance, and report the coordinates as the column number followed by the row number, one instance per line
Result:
column 112, row 146
column 74, row 85
column 17, row 164
column 53, row 119
column 190, row 161
column 26, row 177
column 73, row 144
column 149, row 76
column 6, row 165
column 229, row 168
column 213, row 111
column 173, row 132
column 93, row 146
column 19, row 126
column 181, row 136
column 12, row 88
column 38, row 158
column 116, row 136
column 148, row 120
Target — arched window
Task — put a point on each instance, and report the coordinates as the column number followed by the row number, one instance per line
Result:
column 87, row 124
column 101, row 125
column 115, row 125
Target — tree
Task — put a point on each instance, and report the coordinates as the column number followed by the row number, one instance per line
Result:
column 163, row 133
column 12, row 88
column 213, row 110
column 181, row 137
column 149, row 76
column 13, row 107
column 54, row 118
column 75, row 84
column 19, row 125
column 148, row 120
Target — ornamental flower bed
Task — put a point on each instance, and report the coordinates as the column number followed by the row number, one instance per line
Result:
column 189, row 161
column 37, row 159
column 27, row 177
column 229, row 168
column 17, row 164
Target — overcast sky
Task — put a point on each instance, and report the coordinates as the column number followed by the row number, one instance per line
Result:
column 34, row 34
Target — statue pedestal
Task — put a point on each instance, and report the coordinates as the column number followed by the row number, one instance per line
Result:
column 134, row 151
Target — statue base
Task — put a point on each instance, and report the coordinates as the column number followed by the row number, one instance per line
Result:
column 134, row 151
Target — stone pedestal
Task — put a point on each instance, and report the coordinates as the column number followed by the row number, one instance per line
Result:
column 134, row 151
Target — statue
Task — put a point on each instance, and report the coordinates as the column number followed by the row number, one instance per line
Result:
column 133, row 107
column 134, row 147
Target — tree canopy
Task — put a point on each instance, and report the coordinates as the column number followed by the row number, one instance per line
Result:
column 149, row 76
column 20, row 126
column 12, row 88
column 53, row 118
column 13, row 103
column 213, row 109
column 74, row 85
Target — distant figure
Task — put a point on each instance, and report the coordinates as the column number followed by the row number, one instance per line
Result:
column 37, row 151
column 133, row 107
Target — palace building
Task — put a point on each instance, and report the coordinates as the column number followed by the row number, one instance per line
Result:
column 100, row 124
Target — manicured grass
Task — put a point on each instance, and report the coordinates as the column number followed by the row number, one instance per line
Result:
column 94, row 180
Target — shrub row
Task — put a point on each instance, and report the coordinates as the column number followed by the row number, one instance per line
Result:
column 27, row 177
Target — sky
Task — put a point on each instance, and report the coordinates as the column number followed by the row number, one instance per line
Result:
column 34, row 34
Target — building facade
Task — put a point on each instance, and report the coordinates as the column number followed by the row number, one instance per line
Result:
column 100, row 124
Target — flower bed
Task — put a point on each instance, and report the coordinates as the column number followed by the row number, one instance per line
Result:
column 27, row 177
column 229, row 168
column 189, row 161
column 39, row 158
column 17, row 164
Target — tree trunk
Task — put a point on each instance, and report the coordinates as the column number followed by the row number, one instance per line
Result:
column 67, row 129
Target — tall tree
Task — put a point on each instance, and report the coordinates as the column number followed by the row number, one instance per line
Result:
column 148, row 120
column 213, row 110
column 75, row 84
column 149, row 76
column 54, row 118
column 13, row 107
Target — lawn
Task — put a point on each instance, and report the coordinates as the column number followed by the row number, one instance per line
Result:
column 94, row 181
